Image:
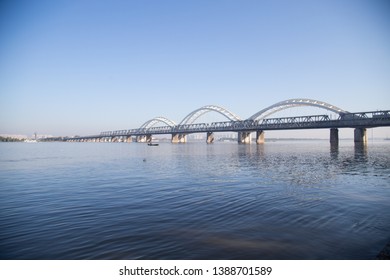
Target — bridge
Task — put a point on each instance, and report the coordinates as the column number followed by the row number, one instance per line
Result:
column 258, row 123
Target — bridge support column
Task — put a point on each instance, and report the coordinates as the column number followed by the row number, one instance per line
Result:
column 179, row 138
column 360, row 135
column 144, row 138
column 129, row 139
column 260, row 137
column 210, row 137
column 141, row 139
column 334, row 136
column 244, row 137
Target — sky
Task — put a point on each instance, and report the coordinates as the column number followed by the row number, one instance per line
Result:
column 81, row 67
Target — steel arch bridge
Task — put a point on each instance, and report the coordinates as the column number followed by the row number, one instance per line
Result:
column 258, row 123
column 262, row 114
column 156, row 120
column 194, row 115
column 289, row 103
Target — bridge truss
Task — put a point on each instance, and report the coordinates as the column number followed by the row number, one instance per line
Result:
column 286, row 104
column 194, row 115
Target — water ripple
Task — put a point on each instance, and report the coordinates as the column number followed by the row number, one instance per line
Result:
column 194, row 201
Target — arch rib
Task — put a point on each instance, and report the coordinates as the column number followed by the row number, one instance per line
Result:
column 289, row 103
column 194, row 115
column 153, row 121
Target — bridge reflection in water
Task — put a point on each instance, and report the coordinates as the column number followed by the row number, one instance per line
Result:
column 259, row 123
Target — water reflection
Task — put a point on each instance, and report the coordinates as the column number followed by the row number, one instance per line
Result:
column 334, row 150
column 360, row 149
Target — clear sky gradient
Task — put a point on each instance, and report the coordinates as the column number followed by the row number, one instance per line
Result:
column 81, row 67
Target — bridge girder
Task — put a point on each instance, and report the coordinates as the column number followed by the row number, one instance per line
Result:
column 155, row 120
column 194, row 115
column 296, row 102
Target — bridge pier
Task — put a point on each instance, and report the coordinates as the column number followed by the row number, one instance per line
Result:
column 360, row 135
column 144, row 138
column 244, row 137
column 179, row 138
column 260, row 137
column 210, row 137
column 129, row 139
column 334, row 136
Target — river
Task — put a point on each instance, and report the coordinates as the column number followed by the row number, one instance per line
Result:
column 279, row 200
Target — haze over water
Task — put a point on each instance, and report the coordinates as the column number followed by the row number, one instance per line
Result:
column 280, row 200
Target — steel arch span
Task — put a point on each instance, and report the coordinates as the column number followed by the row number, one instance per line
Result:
column 153, row 121
column 289, row 103
column 194, row 115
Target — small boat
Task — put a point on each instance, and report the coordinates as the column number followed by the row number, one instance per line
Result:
column 152, row 144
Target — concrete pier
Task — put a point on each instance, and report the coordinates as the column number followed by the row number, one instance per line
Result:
column 210, row 137
column 360, row 135
column 179, row 138
column 144, row 138
column 260, row 139
column 244, row 137
column 334, row 136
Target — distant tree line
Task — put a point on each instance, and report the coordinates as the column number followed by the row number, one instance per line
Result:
column 53, row 139
column 10, row 139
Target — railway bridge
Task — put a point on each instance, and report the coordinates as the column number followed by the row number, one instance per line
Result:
column 258, row 123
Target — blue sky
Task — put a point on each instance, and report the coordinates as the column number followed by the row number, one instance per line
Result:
column 81, row 67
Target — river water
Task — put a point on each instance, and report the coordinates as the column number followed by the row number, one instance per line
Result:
column 280, row 200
